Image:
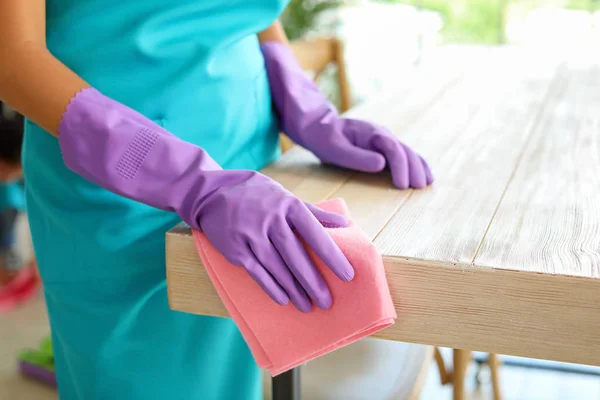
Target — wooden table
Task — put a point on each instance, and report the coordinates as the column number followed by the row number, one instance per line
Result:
column 502, row 253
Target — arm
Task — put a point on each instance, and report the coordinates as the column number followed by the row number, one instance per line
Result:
column 124, row 152
column 273, row 33
column 32, row 80
column 310, row 120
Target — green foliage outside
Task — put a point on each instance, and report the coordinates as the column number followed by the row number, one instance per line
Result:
column 466, row 21
column 300, row 16
column 590, row 5
column 469, row 21
column 475, row 21
column 483, row 21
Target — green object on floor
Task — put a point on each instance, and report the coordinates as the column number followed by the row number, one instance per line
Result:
column 38, row 364
column 42, row 357
column 46, row 346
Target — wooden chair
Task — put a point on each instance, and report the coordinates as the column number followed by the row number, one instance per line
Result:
column 456, row 377
column 315, row 56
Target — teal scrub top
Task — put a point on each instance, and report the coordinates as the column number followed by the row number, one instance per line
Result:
column 194, row 67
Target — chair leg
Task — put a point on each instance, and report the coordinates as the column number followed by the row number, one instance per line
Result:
column 344, row 87
column 285, row 142
column 445, row 376
column 461, row 359
column 494, row 364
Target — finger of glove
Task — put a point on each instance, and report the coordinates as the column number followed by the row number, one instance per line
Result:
column 327, row 219
column 416, row 169
column 271, row 260
column 260, row 275
column 296, row 258
column 321, row 243
column 396, row 158
column 428, row 174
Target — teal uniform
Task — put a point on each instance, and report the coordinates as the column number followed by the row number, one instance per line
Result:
column 194, row 67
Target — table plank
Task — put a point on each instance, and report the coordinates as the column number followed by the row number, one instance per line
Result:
column 495, row 310
column 549, row 218
column 473, row 152
column 478, row 308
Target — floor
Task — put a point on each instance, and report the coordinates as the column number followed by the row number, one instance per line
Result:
column 518, row 384
column 18, row 330
column 27, row 326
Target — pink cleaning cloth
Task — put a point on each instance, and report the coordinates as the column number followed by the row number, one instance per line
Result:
column 281, row 337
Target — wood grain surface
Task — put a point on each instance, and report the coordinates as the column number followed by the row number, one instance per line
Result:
column 548, row 220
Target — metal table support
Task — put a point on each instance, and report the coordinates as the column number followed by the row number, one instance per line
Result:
column 286, row 386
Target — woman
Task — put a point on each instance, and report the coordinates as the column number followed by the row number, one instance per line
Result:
column 162, row 109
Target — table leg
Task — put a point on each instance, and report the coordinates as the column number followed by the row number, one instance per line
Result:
column 461, row 359
column 494, row 364
column 286, row 386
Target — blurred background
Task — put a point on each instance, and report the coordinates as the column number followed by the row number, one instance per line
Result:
column 386, row 39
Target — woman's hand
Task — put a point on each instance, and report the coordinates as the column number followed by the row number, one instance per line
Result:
column 310, row 120
column 367, row 147
column 255, row 224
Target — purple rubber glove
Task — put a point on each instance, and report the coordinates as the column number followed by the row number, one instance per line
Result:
column 310, row 120
column 248, row 217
